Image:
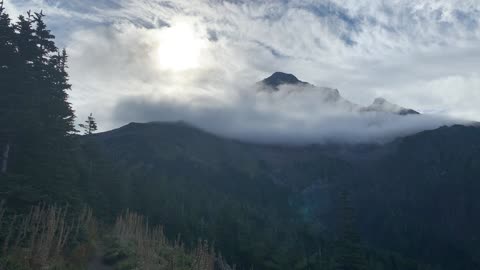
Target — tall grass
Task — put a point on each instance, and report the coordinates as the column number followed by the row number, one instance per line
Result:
column 41, row 238
column 52, row 237
column 148, row 242
column 147, row 248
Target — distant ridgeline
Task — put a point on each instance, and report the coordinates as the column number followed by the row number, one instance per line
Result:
column 409, row 204
column 282, row 202
column 279, row 80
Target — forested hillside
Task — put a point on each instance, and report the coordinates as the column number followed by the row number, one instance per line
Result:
column 417, row 188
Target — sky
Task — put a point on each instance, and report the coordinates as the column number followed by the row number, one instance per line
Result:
column 198, row 61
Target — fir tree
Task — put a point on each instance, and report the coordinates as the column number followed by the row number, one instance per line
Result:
column 349, row 255
column 90, row 125
column 8, row 84
column 36, row 119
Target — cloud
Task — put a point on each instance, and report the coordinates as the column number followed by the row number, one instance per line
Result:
column 292, row 116
column 11, row 9
column 422, row 55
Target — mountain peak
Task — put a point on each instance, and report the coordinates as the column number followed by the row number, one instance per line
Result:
column 280, row 78
column 329, row 95
column 380, row 101
column 382, row 105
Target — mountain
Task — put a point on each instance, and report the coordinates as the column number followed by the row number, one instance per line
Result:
column 326, row 96
column 410, row 204
column 417, row 195
column 382, row 105
column 279, row 78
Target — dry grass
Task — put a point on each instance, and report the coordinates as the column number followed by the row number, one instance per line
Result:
column 39, row 239
column 151, row 250
column 148, row 242
column 48, row 236
column 204, row 257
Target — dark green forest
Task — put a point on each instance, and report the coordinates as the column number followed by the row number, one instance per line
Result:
column 410, row 204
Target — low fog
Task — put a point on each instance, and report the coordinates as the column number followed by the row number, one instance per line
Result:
column 292, row 115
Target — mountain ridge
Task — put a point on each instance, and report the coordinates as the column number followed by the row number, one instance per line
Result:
column 389, row 181
column 280, row 78
column 332, row 96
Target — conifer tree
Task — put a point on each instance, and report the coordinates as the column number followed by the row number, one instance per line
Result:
column 90, row 125
column 36, row 119
column 8, row 96
column 349, row 255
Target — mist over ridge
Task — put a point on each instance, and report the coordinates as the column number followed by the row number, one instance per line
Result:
column 282, row 109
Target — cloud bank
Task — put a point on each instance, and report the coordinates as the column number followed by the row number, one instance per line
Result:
column 422, row 55
column 299, row 117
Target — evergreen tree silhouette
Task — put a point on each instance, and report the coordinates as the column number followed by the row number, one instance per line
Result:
column 90, row 125
column 8, row 97
column 37, row 121
column 349, row 255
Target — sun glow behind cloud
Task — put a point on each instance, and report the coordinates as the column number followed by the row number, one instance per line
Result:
column 180, row 48
column 198, row 56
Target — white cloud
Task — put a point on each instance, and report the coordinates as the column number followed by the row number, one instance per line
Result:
column 296, row 118
column 11, row 9
column 422, row 55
